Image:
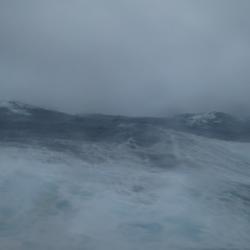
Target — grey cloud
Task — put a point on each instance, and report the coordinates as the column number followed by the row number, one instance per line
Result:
column 126, row 57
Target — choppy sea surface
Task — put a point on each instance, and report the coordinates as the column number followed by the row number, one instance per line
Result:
column 181, row 192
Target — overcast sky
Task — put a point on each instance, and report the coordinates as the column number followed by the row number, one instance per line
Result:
column 131, row 57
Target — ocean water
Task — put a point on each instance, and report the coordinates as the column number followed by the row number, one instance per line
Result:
column 183, row 192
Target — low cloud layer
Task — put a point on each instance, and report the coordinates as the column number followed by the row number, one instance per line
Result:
column 129, row 57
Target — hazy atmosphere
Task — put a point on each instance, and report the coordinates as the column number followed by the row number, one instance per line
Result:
column 133, row 57
column 151, row 149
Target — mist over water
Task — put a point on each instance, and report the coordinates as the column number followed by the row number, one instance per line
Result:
column 124, row 125
column 126, row 58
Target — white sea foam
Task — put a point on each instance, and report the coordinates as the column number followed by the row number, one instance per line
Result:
column 52, row 200
column 15, row 107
